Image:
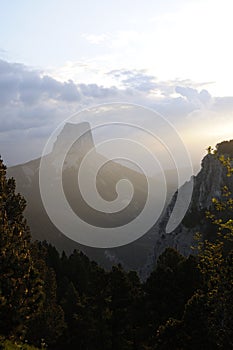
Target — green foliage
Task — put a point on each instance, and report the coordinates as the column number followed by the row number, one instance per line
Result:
column 225, row 148
column 20, row 285
column 168, row 289
column 207, row 320
column 9, row 345
column 224, row 152
column 70, row 302
column 216, row 265
column 171, row 335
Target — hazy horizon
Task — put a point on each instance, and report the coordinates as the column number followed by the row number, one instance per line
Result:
column 153, row 54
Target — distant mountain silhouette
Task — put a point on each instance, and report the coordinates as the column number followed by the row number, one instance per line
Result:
column 132, row 255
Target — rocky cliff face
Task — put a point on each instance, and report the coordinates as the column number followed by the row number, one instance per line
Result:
column 208, row 184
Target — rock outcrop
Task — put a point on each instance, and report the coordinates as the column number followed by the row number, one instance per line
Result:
column 208, row 184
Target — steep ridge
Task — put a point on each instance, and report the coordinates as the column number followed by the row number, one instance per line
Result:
column 208, row 184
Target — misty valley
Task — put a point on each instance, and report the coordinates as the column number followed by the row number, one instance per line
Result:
column 162, row 291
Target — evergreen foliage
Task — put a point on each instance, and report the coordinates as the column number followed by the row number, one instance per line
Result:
column 20, row 285
column 68, row 302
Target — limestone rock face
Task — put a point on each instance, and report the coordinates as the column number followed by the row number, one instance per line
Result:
column 208, row 184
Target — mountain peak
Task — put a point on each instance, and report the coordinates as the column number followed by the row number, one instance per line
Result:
column 74, row 127
column 80, row 132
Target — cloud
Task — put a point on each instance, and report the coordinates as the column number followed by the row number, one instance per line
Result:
column 135, row 79
column 96, row 91
column 19, row 84
column 140, row 80
column 33, row 103
column 31, row 100
column 193, row 96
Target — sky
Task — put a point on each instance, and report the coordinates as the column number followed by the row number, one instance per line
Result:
column 57, row 57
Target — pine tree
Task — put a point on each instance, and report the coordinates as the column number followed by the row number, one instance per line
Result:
column 20, row 286
column 48, row 323
column 122, row 298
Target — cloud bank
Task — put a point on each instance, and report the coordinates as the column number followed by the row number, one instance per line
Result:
column 33, row 103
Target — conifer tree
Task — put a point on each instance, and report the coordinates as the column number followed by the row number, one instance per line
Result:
column 20, row 286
